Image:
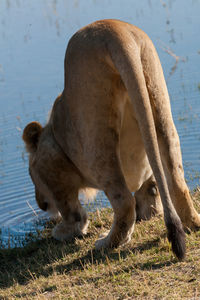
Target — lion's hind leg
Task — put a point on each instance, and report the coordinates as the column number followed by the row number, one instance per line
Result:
column 124, row 217
column 112, row 182
column 179, row 192
column 168, row 140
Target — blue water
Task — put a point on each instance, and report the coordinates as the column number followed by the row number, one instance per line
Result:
column 33, row 40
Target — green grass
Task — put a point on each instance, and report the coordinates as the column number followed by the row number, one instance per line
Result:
column 143, row 269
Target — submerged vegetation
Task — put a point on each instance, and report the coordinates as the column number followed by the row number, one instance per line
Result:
column 143, row 269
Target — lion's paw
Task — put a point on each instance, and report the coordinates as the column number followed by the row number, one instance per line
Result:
column 193, row 223
column 103, row 242
column 62, row 232
column 106, row 241
column 196, row 223
column 84, row 228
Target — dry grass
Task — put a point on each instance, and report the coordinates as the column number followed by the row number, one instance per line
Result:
column 143, row 269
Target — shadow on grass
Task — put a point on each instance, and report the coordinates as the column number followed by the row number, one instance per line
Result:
column 19, row 265
column 34, row 260
column 94, row 256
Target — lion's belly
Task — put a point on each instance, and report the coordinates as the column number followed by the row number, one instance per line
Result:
column 134, row 160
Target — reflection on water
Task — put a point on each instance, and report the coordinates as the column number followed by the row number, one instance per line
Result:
column 33, row 39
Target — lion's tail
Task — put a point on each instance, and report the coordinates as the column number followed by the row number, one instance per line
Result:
column 125, row 55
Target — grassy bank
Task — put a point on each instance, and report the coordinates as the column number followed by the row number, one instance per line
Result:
column 143, row 269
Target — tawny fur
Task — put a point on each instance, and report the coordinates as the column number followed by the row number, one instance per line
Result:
column 111, row 129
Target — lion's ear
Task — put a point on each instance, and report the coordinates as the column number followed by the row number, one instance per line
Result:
column 31, row 136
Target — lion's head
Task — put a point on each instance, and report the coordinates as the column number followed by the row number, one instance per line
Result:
column 56, row 179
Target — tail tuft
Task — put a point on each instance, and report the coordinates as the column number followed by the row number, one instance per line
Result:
column 176, row 236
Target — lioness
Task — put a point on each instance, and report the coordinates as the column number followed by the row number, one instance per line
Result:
column 110, row 129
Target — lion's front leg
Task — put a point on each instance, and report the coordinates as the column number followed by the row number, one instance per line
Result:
column 66, row 231
column 74, row 221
